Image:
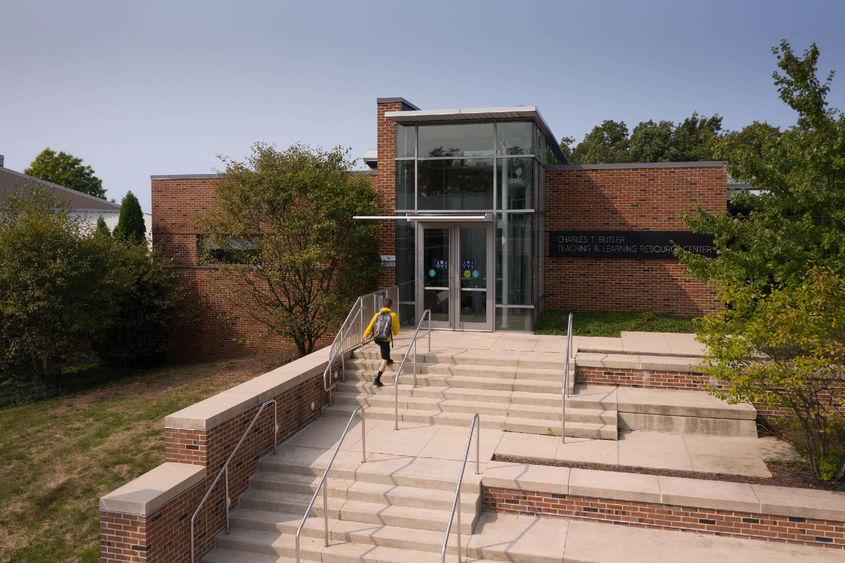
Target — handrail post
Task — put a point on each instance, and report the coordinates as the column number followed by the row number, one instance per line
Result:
column 326, row 514
column 224, row 472
column 564, row 392
column 325, row 488
column 228, row 498
column 363, row 438
column 413, row 343
column 459, row 523
column 429, row 330
column 456, row 503
column 477, row 447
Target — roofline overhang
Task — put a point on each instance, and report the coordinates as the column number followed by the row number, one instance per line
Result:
column 504, row 113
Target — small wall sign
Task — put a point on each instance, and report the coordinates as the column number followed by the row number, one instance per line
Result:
column 388, row 260
column 627, row 244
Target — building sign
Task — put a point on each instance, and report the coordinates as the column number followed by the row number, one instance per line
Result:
column 388, row 260
column 627, row 244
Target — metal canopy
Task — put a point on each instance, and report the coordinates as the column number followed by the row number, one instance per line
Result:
column 445, row 218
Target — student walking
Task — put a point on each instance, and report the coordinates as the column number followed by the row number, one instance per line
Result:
column 383, row 326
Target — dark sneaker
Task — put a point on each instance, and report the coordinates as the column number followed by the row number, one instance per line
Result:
column 378, row 383
column 390, row 362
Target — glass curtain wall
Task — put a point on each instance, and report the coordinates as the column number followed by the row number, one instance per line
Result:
column 490, row 167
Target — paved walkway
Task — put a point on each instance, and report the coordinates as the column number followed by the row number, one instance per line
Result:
column 562, row 539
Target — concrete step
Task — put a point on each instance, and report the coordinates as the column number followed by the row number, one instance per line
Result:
column 464, row 381
column 250, row 546
column 605, row 399
column 500, row 422
column 548, row 361
column 487, row 370
column 539, row 412
column 343, row 530
column 268, row 487
column 411, row 514
column 423, row 473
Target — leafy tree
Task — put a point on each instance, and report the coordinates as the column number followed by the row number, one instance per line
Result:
column 780, row 268
column 606, row 143
column 695, row 137
column 785, row 349
column 66, row 170
column 57, row 284
column 147, row 310
column 307, row 258
column 130, row 224
column 566, row 146
column 102, row 229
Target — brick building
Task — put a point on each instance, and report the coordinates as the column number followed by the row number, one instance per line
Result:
column 483, row 221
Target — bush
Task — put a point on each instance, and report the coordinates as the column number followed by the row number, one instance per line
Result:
column 147, row 311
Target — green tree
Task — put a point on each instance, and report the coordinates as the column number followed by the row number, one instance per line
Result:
column 102, row 229
column 304, row 257
column 652, row 142
column 57, row 284
column 694, row 139
column 566, row 146
column 130, row 224
column 146, row 310
column 780, row 268
column 66, row 170
column 606, row 143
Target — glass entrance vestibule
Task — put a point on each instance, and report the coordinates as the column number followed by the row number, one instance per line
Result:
column 469, row 202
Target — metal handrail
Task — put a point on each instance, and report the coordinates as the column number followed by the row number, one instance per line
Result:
column 225, row 468
column 359, row 410
column 457, row 501
column 564, row 392
column 340, row 344
column 413, row 343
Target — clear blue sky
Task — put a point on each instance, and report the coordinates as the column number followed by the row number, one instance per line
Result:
column 137, row 88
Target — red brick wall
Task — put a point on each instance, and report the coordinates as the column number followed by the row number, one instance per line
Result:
column 164, row 535
column 211, row 448
column 768, row 527
column 628, row 199
column 386, row 186
column 214, row 327
column 642, row 378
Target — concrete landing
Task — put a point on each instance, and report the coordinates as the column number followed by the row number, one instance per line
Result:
column 653, row 450
column 529, row 538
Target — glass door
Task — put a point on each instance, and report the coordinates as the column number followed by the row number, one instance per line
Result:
column 455, row 270
column 436, row 294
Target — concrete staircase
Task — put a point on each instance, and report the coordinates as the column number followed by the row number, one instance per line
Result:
column 390, row 509
column 515, row 396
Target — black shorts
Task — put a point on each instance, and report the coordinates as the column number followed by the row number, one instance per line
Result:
column 385, row 349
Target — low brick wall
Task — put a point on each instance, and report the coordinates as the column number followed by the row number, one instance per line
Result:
column 628, row 377
column 767, row 527
column 160, row 536
column 212, row 447
column 149, row 519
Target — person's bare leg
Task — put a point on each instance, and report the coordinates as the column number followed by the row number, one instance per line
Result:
column 383, row 365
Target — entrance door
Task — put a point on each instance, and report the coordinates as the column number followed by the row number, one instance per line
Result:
column 455, row 269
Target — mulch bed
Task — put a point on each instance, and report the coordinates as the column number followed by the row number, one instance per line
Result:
column 784, row 474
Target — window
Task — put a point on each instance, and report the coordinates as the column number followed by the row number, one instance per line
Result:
column 227, row 250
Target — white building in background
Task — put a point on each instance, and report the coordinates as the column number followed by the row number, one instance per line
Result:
column 85, row 206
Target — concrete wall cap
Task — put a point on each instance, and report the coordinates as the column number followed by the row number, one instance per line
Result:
column 142, row 496
column 232, row 402
column 184, row 176
column 639, row 165
column 623, row 486
column 678, row 491
column 803, row 503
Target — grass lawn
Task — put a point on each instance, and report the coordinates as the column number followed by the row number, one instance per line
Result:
column 59, row 456
column 596, row 323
